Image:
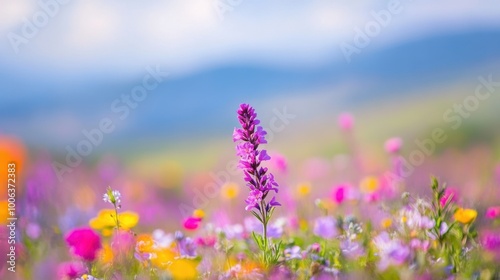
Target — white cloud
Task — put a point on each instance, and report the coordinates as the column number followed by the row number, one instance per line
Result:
column 185, row 36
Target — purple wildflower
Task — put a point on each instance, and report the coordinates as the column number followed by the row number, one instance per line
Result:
column 260, row 182
column 391, row 251
column 325, row 227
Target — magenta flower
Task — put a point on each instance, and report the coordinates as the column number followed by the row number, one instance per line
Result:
column 493, row 212
column 260, row 182
column 84, row 242
column 491, row 241
column 340, row 193
column 192, row 223
column 449, row 192
column 70, row 270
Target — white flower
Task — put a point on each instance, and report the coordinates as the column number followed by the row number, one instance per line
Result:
column 113, row 197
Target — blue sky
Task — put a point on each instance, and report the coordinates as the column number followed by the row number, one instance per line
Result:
column 122, row 37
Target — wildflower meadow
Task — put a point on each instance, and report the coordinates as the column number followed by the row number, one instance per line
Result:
column 370, row 227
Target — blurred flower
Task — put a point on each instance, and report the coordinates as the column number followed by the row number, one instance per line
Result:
column 184, row 269
column 84, row 242
column 123, row 246
column 339, row 193
column 207, row 241
column 106, row 254
column 230, row 190
column 325, row 227
column 315, row 247
column 4, row 212
column 162, row 239
column 491, row 241
column 11, row 150
column 351, row 249
column 70, row 270
column 369, row 184
column 391, row 251
column 192, row 223
column 346, row 121
column 105, row 221
column 293, row 253
column 33, row 230
column 386, row 223
column 493, row 212
column 145, row 244
column 279, row 162
column 198, row 213
column 276, row 229
column 420, row 244
column 303, row 189
column 465, row 216
column 449, row 193
column 393, row 145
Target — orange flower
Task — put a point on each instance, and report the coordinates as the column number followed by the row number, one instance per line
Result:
column 145, row 244
column 11, row 151
column 465, row 216
column 106, row 254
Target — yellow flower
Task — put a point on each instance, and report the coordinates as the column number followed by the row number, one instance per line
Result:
column 105, row 221
column 404, row 219
column 184, row 269
column 369, row 184
column 230, row 190
column 106, row 254
column 465, row 216
column 198, row 213
column 162, row 258
column 303, row 189
column 386, row 223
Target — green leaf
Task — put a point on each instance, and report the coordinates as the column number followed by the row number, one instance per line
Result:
column 257, row 216
column 258, row 239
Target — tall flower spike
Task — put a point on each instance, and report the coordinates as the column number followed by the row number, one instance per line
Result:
column 249, row 137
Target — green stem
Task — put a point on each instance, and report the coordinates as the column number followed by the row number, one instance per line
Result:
column 116, row 216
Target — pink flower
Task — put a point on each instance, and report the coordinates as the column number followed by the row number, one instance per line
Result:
column 346, row 121
column 192, row 223
column 493, row 212
column 278, row 161
column 84, row 242
column 208, row 241
column 447, row 193
column 123, row 243
column 491, row 241
column 70, row 270
column 339, row 193
column 393, row 145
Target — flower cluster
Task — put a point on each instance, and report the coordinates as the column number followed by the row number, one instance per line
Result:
column 260, row 182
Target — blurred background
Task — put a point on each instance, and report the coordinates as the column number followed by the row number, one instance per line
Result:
column 398, row 67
